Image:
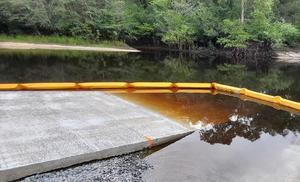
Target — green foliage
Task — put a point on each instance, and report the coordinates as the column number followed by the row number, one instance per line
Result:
column 288, row 33
column 288, row 11
column 175, row 22
column 138, row 21
column 261, row 26
column 236, row 36
column 177, row 29
column 207, row 23
column 180, row 23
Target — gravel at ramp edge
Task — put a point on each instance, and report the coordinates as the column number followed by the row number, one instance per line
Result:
column 122, row 168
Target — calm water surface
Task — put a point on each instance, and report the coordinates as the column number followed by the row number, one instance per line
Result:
column 61, row 66
column 235, row 141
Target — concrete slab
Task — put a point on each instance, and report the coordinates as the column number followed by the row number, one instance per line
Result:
column 42, row 131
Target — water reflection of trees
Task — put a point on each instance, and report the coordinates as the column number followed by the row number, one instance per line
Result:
column 238, row 75
column 34, row 66
column 266, row 121
column 73, row 66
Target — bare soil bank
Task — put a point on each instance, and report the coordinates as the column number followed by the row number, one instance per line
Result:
column 289, row 56
column 14, row 45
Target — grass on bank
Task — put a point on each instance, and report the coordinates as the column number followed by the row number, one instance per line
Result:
column 63, row 40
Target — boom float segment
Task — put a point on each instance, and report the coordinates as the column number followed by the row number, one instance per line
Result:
column 102, row 85
column 257, row 95
column 193, row 85
column 226, row 88
column 47, row 86
column 8, row 86
column 150, row 85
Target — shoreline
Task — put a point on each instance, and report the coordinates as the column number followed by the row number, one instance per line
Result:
column 30, row 46
column 288, row 56
column 280, row 55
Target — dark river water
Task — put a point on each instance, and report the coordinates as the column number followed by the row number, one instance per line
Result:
column 236, row 140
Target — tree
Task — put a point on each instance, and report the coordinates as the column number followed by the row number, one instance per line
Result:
column 288, row 11
column 236, row 36
column 174, row 22
column 242, row 11
column 264, row 27
column 138, row 20
column 182, row 24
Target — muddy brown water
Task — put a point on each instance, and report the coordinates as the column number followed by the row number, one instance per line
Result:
column 236, row 140
column 191, row 109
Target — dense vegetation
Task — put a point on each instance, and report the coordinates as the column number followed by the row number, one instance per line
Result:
column 183, row 24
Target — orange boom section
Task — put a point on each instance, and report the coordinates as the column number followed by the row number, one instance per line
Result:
column 154, row 86
column 151, row 85
column 8, row 86
column 102, row 85
column 47, row 86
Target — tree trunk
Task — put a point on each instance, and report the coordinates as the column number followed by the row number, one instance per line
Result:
column 242, row 11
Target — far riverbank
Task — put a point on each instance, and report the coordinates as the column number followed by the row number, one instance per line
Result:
column 19, row 45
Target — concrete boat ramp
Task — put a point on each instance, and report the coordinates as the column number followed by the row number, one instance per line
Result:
column 45, row 130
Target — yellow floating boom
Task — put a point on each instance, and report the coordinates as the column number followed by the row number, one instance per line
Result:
column 150, row 85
